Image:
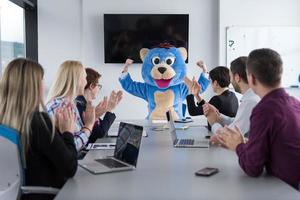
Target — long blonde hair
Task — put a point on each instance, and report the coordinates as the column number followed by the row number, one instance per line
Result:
column 20, row 96
column 67, row 81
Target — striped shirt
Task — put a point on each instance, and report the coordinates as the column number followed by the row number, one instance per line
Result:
column 80, row 137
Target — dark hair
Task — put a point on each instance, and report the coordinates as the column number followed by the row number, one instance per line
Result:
column 92, row 77
column 238, row 66
column 266, row 66
column 221, row 75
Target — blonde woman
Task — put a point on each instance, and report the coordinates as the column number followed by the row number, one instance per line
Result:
column 70, row 82
column 51, row 157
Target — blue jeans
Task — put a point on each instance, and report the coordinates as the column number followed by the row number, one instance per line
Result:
column 299, row 186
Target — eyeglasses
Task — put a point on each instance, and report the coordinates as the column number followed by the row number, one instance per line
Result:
column 99, row 85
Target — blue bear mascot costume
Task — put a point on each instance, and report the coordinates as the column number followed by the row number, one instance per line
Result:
column 163, row 71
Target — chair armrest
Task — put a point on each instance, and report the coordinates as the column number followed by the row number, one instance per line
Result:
column 39, row 190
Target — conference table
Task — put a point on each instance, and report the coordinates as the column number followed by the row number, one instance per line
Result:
column 165, row 172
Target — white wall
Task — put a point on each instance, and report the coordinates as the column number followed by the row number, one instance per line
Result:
column 73, row 29
column 256, row 13
column 203, row 28
column 59, row 34
column 62, row 35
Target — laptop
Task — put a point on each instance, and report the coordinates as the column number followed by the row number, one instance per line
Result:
column 114, row 130
column 125, row 155
column 184, row 142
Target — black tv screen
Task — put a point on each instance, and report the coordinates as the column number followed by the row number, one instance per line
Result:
column 126, row 34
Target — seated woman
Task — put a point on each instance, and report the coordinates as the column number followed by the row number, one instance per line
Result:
column 106, row 106
column 70, row 82
column 50, row 154
column 224, row 100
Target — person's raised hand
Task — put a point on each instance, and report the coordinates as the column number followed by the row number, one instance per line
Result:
column 65, row 119
column 202, row 66
column 128, row 62
column 231, row 138
column 112, row 101
column 119, row 96
column 196, row 87
column 101, row 108
column 89, row 115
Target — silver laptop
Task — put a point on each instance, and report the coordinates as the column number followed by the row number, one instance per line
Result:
column 184, row 142
column 125, row 155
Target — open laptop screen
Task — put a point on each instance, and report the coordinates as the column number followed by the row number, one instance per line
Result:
column 171, row 126
column 128, row 143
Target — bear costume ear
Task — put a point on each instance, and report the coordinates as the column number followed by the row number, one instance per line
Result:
column 143, row 53
column 183, row 52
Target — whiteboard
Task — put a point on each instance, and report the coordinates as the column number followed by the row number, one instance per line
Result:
column 285, row 40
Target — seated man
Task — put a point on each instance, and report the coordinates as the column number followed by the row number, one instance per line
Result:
column 274, row 138
column 249, row 100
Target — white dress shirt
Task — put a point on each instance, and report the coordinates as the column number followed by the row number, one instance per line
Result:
column 242, row 118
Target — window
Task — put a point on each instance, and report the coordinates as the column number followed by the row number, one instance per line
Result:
column 12, row 32
column 18, row 30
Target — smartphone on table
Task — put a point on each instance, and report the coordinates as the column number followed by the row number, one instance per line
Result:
column 207, row 171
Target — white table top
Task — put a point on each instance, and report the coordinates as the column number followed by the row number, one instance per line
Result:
column 164, row 172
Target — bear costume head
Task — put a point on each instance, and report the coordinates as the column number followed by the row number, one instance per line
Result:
column 163, row 66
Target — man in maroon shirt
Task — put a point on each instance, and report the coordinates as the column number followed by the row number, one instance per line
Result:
column 274, row 137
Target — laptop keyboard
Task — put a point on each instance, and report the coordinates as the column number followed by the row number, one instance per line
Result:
column 110, row 163
column 186, row 142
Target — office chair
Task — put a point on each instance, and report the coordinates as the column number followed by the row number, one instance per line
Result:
column 12, row 170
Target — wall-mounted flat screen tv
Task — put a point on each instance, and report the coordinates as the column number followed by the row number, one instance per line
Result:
column 126, row 34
